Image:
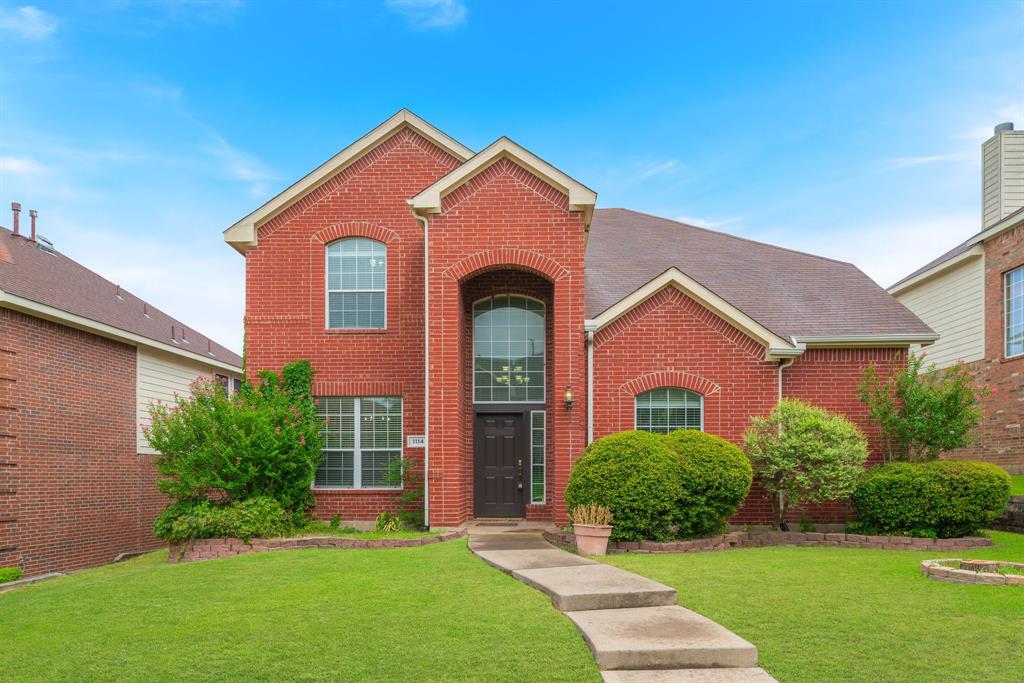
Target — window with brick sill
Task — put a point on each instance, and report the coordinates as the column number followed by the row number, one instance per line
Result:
column 667, row 409
column 362, row 443
column 356, row 284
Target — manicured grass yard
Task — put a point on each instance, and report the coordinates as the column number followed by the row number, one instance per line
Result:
column 846, row 614
column 412, row 614
column 1017, row 485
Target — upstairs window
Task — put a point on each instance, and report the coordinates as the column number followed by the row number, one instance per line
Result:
column 665, row 410
column 1013, row 321
column 508, row 350
column 356, row 284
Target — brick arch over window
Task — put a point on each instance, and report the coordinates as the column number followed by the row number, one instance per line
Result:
column 483, row 261
column 623, row 415
column 339, row 231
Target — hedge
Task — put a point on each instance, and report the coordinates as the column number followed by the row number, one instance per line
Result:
column 715, row 477
column 259, row 517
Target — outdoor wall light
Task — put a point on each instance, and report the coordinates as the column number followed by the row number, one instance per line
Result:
column 568, row 397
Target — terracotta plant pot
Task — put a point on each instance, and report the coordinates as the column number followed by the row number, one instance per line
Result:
column 592, row 539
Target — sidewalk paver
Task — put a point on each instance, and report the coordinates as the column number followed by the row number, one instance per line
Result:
column 509, row 561
column 755, row 675
column 596, row 586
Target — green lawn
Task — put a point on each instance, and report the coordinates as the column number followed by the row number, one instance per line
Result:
column 1017, row 485
column 432, row 613
column 846, row 614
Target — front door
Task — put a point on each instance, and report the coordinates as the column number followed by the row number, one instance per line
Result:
column 499, row 451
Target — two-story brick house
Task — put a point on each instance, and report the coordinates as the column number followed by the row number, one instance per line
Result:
column 475, row 314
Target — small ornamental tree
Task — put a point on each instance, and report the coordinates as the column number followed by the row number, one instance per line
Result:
column 923, row 412
column 803, row 454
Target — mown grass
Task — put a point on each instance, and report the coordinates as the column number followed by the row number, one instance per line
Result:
column 1017, row 485
column 848, row 614
column 433, row 613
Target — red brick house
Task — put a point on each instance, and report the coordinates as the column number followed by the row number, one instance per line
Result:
column 475, row 313
column 81, row 359
column 973, row 296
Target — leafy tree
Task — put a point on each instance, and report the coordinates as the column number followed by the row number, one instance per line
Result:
column 803, row 454
column 923, row 412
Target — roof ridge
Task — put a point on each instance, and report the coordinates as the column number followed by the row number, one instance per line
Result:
column 731, row 236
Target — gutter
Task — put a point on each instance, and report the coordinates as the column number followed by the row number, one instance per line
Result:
column 589, row 328
column 782, row 366
column 924, row 339
column 426, row 369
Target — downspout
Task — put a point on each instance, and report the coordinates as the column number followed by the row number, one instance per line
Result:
column 426, row 370
column 782, row 366
column 589, row 327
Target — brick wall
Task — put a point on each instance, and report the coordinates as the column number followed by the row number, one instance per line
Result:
column 73, row 491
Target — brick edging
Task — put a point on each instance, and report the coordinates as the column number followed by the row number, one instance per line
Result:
column 755, row 539
column 939, row 571
column 211, row 548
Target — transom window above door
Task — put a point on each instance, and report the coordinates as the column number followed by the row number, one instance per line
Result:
column 508, row 350
column 356, row 284
column 665, row 410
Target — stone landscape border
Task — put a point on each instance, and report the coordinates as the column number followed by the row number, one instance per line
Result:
column 760, row 539
column 212, row 548
column 940, row 570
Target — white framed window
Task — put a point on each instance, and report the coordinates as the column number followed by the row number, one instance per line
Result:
column 508, row 350
column 667, row 409
column 1013, row 317
column 538, row 430
column 356, row 284
column 362, row 442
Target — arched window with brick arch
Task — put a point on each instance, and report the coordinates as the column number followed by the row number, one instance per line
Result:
column 667, row 409
column 356, row 284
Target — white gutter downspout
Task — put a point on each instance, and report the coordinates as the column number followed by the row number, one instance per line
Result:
column 589, row 327
column 782, row 366
column 426, row 370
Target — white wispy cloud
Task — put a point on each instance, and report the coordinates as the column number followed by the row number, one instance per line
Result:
column 28, row 22
column 241, row 166
column 425, row 14
column 657, row 169
column 702, row 222
column 906, row 162
column 23, row 167
column 160, row 91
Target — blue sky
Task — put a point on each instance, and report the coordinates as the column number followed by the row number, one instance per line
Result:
column 141, row 130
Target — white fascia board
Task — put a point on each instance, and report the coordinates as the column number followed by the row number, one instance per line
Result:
column 862, row 340
column 581, row 197
column 38, row 310
column 977, row 251
column 775, row 345
column 242, row 235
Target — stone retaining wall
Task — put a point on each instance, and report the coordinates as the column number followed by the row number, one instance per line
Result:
column 948, row 570
column 210, row 548
column 754, row 539
column 1012, row 518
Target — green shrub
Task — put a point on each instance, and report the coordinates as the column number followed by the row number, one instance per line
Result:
column 263, row 441
column 636, row 476
column 714, row 477
column 9, row 574
column 259, row 517
column 940, row 499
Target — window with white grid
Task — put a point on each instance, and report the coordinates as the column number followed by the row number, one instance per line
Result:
column 508, row 350
column 1013, row 295
column 537, row 451
column 356, row 284
column 362, row 443
column 665, row 410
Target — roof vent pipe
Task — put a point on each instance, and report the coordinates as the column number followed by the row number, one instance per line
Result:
column 145, row 309
column 33, row 214
column 172, row 335
column 16, row 208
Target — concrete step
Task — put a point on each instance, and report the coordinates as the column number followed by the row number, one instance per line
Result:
column 669, row 637
column 756, row 675
column 507, row 541
column 596, row 587
column 511, row 560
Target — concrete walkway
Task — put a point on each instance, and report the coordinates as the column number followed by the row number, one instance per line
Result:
column 634, row 626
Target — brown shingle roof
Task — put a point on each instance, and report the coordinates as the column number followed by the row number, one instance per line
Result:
column 789, row 292
column 52, row 279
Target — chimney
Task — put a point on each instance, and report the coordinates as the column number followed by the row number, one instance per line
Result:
column 1002, row 174
column 33, row 214
column 16, row 209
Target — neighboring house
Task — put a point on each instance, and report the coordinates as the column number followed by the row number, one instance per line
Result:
column 80, row 361
column 973, row 296
column 476, row 312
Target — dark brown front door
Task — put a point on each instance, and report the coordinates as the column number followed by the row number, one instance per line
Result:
column 499, row 452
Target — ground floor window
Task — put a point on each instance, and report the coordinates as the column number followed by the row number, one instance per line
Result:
column 537, row 454
column 665, row 410
column 362, row 442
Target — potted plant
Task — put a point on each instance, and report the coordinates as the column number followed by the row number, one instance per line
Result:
column 592, row 526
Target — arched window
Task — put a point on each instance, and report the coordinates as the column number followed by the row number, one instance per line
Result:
column 665, row 410
column 356, row 284
column 508, row 350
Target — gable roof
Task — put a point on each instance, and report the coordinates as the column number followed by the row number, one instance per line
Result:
column 789, row 293
column 581, row 197
column 49, row 284
column 242, row 234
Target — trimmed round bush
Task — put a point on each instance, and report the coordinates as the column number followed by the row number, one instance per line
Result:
column 938, row 499
column 714, row 476
column 636, row 476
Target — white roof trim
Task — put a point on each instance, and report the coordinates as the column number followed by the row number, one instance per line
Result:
column 581, row 197
column 36, row 309
column 242, row 235
column 861, row 340
column 977, row 251
column 775, row 345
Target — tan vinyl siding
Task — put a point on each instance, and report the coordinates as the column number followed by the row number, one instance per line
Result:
column 1002, row 180
column 160, row 377
column 953, row 305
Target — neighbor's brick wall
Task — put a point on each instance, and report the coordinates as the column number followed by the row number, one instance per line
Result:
column 285, row 300
column 74, row 491
column 1001, row 432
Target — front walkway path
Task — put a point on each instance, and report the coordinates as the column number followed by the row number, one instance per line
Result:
column 634, row 626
